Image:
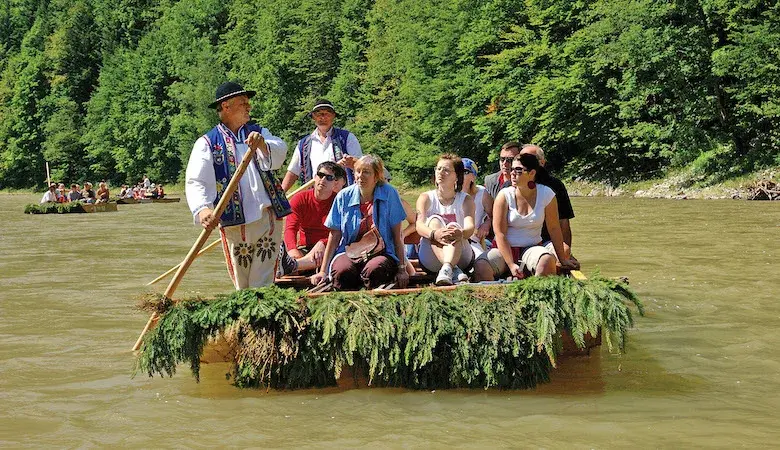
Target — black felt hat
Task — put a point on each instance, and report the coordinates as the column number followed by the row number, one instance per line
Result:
column 322, row 104
column 229, row 90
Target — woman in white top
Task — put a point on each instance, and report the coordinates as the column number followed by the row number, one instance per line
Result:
column 518, row 215
column 483, row 206
column 445, row 222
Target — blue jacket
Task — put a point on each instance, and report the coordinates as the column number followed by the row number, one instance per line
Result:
column 345, row 215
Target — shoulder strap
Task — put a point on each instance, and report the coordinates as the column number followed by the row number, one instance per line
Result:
column 304, row 154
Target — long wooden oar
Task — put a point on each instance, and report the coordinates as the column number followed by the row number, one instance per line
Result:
column 302, row 188
column 173, row 269
column 227, row 196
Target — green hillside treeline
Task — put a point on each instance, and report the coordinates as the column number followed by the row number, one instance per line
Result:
column 613, row 89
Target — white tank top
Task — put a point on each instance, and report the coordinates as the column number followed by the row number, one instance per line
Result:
column 450, row 213
column 526, row 231
column 479, row 210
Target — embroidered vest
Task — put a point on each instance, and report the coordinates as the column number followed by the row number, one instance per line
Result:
column 222, row 144
column 338, row 144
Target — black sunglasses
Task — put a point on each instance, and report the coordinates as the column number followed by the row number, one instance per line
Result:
column 326, row 176
column 519, row 170
column 506, row 159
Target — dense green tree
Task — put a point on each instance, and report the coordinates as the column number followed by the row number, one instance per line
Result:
column 613, row 89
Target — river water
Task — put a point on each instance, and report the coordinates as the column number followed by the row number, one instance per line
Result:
column 702, row 368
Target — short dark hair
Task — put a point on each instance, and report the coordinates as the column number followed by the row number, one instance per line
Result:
column 510, row 145
column 531, row 162
column 460, row 170
column 337, row 170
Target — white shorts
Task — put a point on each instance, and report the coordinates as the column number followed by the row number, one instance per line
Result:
column 429, row 260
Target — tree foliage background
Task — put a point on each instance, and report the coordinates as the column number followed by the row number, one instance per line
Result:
column 614, row 90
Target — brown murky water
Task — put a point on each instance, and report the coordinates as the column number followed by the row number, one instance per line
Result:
column 702, row 368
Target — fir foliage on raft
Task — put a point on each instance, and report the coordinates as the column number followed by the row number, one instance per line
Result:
column 51, row 208
column 504, row 336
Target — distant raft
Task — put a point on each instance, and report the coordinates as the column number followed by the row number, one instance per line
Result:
column 505, row 336
column 135, row 201
column 69, row 208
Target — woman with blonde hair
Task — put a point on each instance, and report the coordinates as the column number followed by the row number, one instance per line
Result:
column 365, row 247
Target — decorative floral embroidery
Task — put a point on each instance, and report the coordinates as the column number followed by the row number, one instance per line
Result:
column 265, row 248
column 243, row 253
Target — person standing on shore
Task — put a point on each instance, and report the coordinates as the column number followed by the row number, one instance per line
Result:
column 251, row 225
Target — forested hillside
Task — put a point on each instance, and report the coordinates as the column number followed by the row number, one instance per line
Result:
column 613, row 89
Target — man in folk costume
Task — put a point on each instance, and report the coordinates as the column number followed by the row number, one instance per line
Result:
column 325, row 143
column 251, row 225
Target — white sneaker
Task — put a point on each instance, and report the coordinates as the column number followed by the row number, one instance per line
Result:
column 445, row 276
column 458, row 276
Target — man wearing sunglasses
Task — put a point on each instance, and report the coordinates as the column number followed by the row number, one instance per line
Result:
column 325, row 143
column 305, row 234
column 501, row 179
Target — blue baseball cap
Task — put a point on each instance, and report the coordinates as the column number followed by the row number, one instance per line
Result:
column 470, row 166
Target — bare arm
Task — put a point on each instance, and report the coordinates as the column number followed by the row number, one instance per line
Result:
column 554, row 228
column 566, row 231
column 500, row 226
column 330, row 248
column 411, row 219
column 289, row 179
column 468, row 216
column 401, row 278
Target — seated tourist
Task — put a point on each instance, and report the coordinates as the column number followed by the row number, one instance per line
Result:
column 75, row 193
column 305, row 234
column 50, row 196
column 102, row 193
column 445, row 222
column 60, row 193
column 160, row 191
column 483, row 207
column 369, row 211
column 88, row 195
column 518, row 215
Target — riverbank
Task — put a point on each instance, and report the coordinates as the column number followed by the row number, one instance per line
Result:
column 680, row 185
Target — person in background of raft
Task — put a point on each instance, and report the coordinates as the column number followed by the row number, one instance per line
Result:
column 325, row 143
column 74, row 194
column 60, row 193
column 483, row 207
column 369, row 203
column 160, row 191
column 250, row 226
column 88, row 195
column 309, row 210
column 503, row 178
column 102, row 193
column 445, row 222
column 565, row 211
column 50, row 196
column 518, row 215
column 409, row 232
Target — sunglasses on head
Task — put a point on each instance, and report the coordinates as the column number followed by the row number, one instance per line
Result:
column 326, row 176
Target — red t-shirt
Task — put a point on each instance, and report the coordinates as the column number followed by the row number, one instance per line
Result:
column 367, row 211
column 308, row 216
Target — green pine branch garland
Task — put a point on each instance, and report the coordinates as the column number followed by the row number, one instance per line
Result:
column 505, row 336
column 50, row 208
